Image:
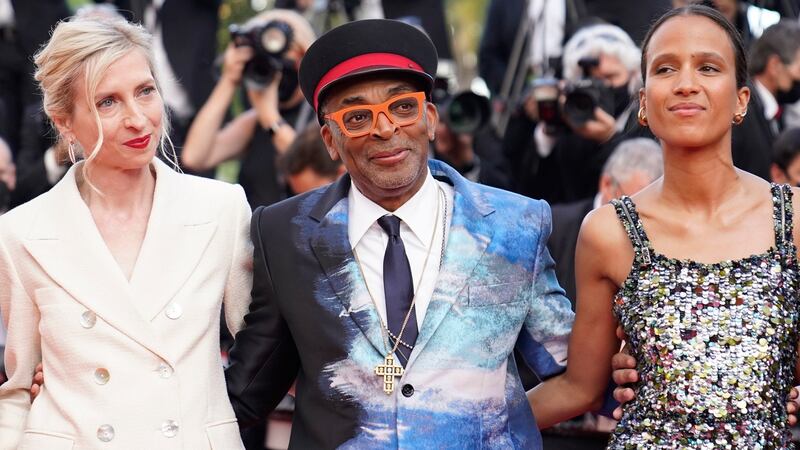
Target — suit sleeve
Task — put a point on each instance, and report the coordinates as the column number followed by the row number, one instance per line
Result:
column 23, row 351
column 545, row 334
column 240, row 276
column 264, row 359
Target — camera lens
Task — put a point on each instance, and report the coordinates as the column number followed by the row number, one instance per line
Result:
column 273, row 39
column 468, row 112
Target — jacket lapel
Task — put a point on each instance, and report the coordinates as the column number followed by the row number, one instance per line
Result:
column 65, row 242
column 178, row 234
column 469, row 234
column 331, row 246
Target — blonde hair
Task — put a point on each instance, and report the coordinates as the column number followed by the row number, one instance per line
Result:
column 81, row 50
column 303, row 34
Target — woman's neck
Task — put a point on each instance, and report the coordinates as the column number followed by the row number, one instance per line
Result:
column 119, row 190
column 699, row 179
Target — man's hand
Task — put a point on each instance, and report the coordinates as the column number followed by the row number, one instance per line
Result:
column 234, row 61
column 37, row 382
column 791, row 407
column 624, row 372
column 600, row 129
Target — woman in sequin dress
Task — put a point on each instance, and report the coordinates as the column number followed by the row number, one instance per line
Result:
column 699, row 268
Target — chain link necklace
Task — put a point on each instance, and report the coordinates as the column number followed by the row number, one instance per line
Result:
column 389, row 370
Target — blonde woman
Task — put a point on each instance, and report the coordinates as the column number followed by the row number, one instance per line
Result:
column 114, row 279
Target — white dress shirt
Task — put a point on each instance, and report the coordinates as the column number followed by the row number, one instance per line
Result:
column 767, row 100
column 419, row 223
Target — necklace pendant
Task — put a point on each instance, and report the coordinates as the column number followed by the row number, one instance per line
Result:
column 388, row 371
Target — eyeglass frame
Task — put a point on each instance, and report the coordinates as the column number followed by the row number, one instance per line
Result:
column 376, row 110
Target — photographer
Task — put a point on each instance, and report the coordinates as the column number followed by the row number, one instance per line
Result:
column 464, row 141
column 267, row 129
column 577, row 121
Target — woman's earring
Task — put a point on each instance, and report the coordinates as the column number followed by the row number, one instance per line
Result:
column 642, row 116
column 71, row 151
column 738, row 118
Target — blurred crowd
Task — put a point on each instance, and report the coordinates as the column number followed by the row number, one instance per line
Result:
column 552, row 114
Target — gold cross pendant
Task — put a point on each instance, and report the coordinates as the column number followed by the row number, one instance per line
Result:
column 388, row 370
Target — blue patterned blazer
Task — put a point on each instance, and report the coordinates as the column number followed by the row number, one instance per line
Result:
column 312, row 318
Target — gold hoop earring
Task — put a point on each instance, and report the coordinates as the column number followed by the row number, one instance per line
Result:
column 738, row 118
column 642, row 116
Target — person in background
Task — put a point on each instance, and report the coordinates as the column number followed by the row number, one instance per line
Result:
column 563, row 163
column 634, row 164
column 785, row 167
column 774, row 63
column 24, row 26
column 306, row 163
column 259, row 135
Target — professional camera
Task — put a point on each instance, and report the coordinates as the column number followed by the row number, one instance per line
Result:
column 270, row 42
column 465, row 112
column 584, row 95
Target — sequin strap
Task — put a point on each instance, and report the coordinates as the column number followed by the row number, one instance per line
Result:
column 626, row 213
column 782, row 215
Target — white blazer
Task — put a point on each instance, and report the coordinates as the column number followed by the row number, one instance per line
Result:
column 131, row 365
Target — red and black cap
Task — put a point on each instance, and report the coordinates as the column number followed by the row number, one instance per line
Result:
column 366, row 47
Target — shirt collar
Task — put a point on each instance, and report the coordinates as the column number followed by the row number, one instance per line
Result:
column 417, row 213
column 767, row 100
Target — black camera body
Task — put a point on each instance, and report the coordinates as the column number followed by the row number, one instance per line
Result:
column 583, row 96
column 270, row 43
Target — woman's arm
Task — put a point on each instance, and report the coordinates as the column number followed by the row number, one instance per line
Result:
column 22, row 353
column 593, row 341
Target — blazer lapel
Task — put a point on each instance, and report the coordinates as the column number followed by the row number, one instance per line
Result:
column 331, row 246
column 69, row 248
column 469, row 234
column 178, row 233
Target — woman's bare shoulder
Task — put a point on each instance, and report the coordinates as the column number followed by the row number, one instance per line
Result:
column 602, row 231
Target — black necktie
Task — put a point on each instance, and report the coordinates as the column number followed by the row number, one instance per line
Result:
column 398, row 288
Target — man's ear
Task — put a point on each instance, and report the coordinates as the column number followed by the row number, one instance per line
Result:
column 773, row 66
column 606, row 188
column 327, row 138
column 777, row 174
column 431, row 119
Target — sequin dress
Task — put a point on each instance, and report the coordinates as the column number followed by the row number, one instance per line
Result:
column 715, row 343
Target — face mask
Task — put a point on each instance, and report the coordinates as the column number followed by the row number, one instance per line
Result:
column 5, row 197
column 289, row 81
column 622, row 98
column 790, row 96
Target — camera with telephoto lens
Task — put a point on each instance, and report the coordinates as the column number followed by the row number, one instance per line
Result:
column 584, row 95
column 465, row 112
column 270, row 43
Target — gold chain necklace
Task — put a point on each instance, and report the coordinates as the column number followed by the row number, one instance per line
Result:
column 389, row 369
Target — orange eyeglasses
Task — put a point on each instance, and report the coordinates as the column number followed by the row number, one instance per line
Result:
column 360, row 120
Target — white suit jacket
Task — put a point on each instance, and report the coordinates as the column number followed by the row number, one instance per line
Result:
column 131, row 365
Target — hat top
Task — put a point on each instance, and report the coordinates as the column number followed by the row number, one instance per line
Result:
column 366, row 46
